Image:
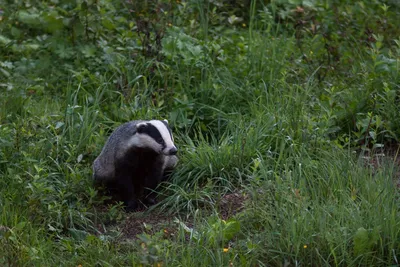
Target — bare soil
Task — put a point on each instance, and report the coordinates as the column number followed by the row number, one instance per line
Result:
column 383, row 158
column 140, row 222
column 152, row 222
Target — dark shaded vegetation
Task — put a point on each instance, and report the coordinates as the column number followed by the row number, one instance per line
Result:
column 279, row 105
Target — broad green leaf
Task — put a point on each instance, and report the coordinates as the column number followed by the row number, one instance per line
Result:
column 29, row 18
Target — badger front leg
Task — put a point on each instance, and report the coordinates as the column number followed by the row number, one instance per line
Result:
column 126, row 189
column 151, row 183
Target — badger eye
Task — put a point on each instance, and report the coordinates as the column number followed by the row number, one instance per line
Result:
column 160, row 140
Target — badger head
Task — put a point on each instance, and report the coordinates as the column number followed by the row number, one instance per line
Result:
column 155, row 135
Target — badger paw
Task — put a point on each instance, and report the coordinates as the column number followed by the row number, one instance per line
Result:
column 131, row 206
column 150, row 201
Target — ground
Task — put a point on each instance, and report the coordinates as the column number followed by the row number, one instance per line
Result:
column 232, row 203
column 152, row 221
column 229, row 205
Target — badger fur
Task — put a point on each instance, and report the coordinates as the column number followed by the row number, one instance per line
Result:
column 137, row 156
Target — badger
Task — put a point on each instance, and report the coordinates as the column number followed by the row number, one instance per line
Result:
column 137, row 156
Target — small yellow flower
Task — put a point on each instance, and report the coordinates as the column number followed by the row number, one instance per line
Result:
column 165, row 231
column 226, row 249
column 305, row 246
column 169, row 24
column 80, row 265
column 244, row 25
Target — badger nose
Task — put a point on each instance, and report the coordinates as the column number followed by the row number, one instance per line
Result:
column 173, row 151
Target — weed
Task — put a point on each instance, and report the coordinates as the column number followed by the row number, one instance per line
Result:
column 279, row 109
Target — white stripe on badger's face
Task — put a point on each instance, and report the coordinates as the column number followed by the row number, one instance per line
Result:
column 143, row 140
column 168, row 139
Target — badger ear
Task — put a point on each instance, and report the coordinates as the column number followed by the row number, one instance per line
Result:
column 166, row 121
column 140, row 127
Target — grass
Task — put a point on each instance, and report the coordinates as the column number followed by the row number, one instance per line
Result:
column 257, row 111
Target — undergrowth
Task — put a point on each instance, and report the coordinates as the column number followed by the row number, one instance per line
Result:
column 288, row 104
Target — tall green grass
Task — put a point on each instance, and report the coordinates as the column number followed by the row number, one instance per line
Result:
column 256, row 121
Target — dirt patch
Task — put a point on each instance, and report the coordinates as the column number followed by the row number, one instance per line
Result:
column 231, row 204
column 141, row 222
column 380, row 158
column 152, row 222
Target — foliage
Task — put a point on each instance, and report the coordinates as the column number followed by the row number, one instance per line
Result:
column 281, row 100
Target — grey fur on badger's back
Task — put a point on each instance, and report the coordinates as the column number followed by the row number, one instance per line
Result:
column 136, row 155
column 103, row 166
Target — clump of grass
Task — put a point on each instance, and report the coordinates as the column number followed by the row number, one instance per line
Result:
column 328, row 210
column 274, row 107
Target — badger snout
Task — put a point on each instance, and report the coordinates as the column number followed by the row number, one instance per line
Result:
column 172, row 151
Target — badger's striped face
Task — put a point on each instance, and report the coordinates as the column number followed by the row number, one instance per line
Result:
column 155, row 135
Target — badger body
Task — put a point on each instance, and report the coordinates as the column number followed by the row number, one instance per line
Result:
column 137, row 156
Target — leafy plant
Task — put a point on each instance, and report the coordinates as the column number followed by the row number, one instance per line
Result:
column 294, row 103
